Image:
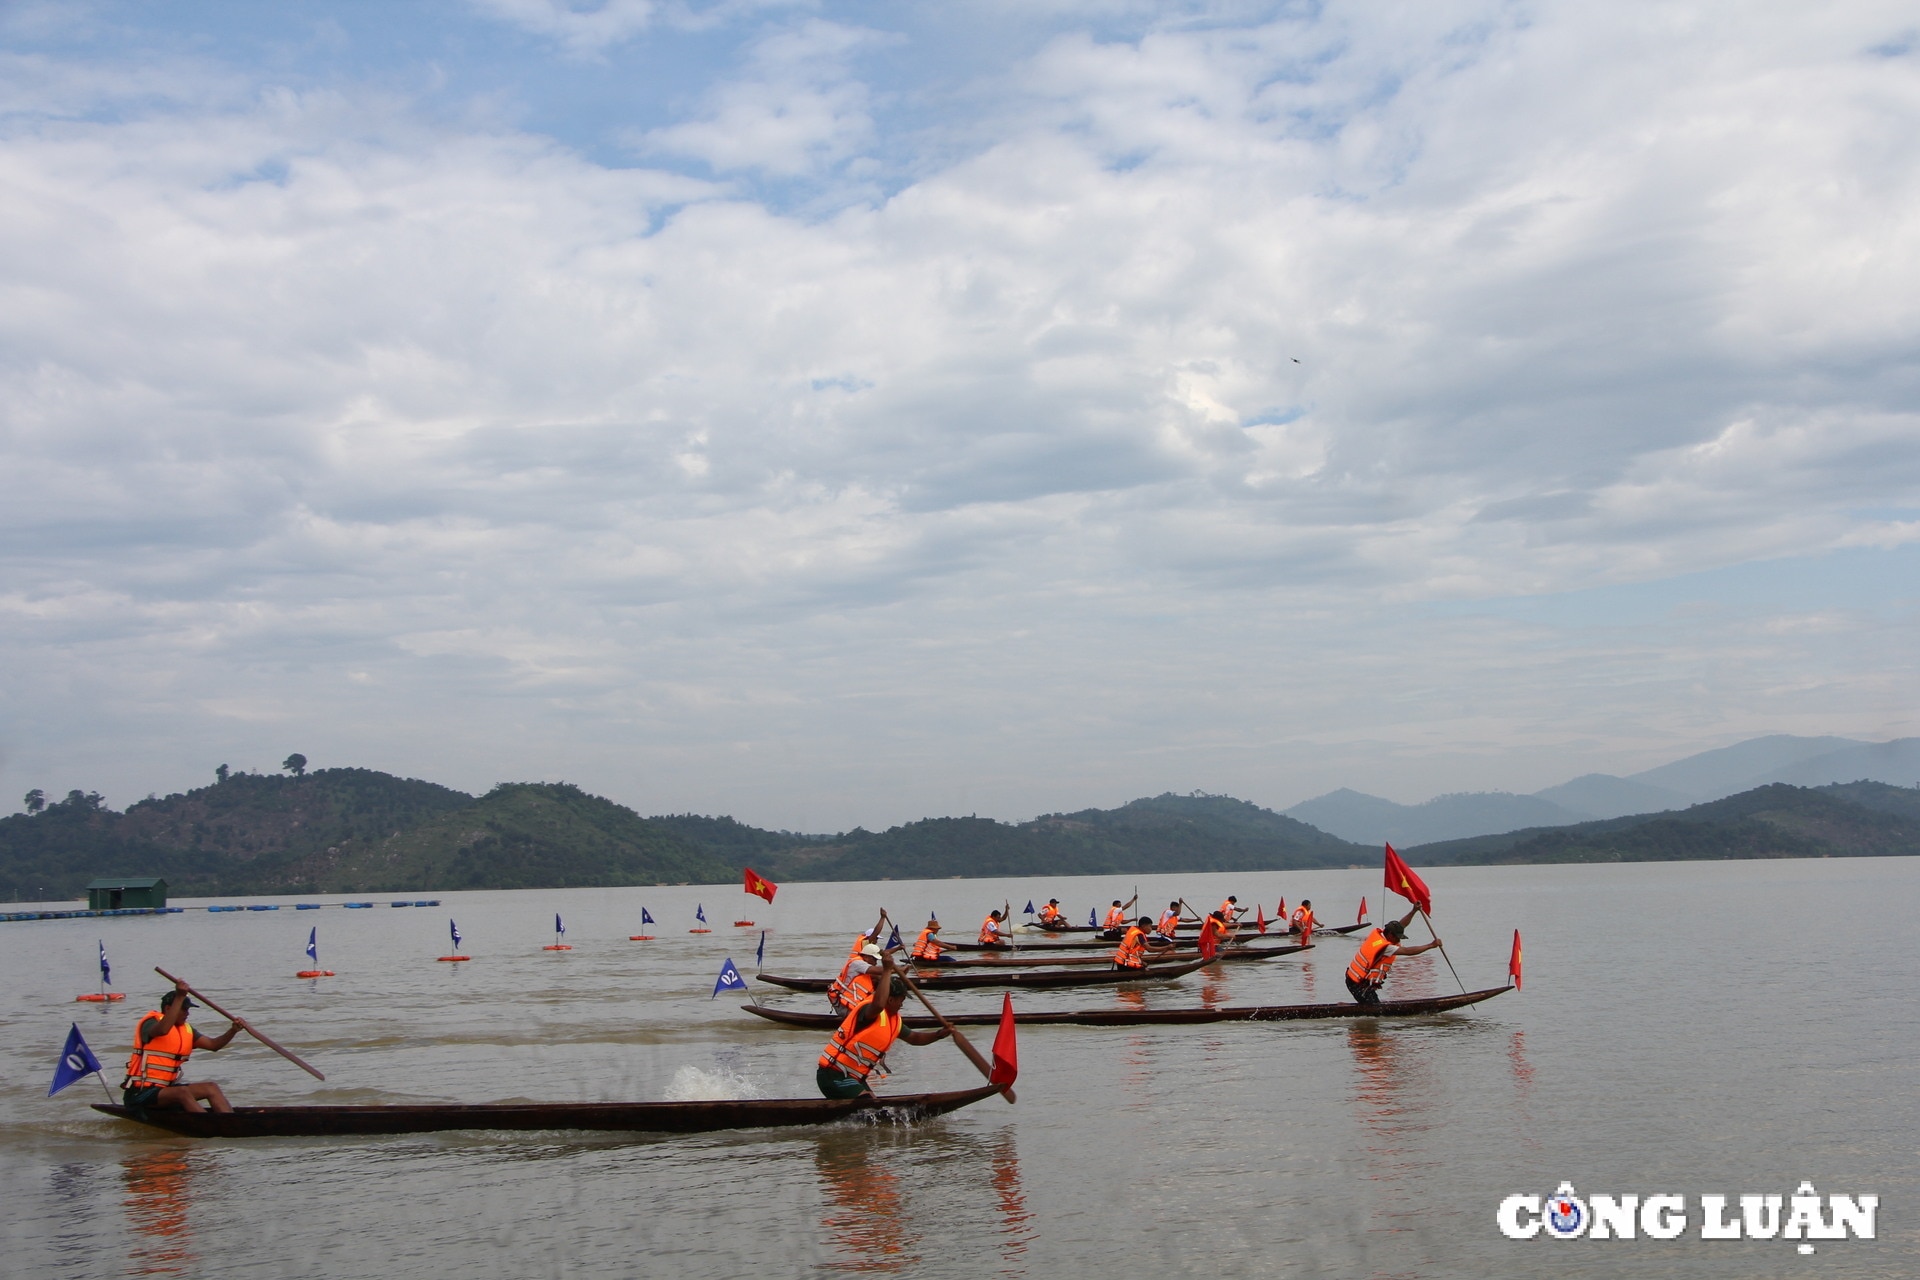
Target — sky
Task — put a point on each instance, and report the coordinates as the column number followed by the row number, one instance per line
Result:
column 834, row 414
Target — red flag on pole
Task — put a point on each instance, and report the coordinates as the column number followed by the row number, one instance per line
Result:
column 1401, row 880
column 1513, row 965
column 1209, row 941
column 759, row 886
column 1006, row 1054
column 1363, row 912
column 1283, row 910
column 1260, row 917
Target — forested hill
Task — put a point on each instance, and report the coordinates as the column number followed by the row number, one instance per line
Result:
column 1165, row 833
column 1855, row 819
column 346, row 831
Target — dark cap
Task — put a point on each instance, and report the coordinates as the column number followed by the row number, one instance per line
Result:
column 1395, row 930
column 897, row 989
column 166, row 1001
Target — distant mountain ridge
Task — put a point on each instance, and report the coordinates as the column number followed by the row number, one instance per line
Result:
column 1696, row 779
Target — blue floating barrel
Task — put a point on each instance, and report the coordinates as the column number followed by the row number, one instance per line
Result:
column 264, row 906
column 399, row 904
column 356, row 906
column 306, row 906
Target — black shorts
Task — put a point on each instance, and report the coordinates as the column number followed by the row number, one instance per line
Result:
column 145, row 1095
column 1364, row 992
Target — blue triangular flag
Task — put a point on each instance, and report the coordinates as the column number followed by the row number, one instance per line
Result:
column 933, row 917
column 893, row 940
column 1029, row 910
column 760, row 952
column 559, row 928
column 106, row 970
column 700, row 913
column 644, row 917
column 454, row 929
column 730, row 980
column 76, row 1061
column 1091, row 919
column 313, row 944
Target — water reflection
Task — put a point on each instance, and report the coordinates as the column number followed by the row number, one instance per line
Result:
column 866, row 1219
column 158, row 1205
column 1010, row 1198
column 1306, row 979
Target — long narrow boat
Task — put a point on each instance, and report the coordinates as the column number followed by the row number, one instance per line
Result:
column 1186, row 926
column 1135, row 1017
column 936, row 981
column 632, row 1117
column 1105, row 957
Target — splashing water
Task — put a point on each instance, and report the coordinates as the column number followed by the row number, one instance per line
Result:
column 695, row 1084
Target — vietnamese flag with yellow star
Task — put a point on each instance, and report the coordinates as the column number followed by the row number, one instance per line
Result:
column 759, row 886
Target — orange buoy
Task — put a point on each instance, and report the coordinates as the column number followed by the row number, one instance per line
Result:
column 743, row 924
column 639, row 937
column 556, row 946
column 699, row 931
column 314, row 973
column 452, row 958
column 96, row 997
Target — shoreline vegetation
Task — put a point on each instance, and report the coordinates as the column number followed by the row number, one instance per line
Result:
column 350, row 830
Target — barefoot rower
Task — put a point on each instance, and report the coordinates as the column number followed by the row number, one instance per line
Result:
column 1376, row 956
column 927, row 948
column 1051, row 917
column 162, row 1043
column 855, row 983
column 990, row 929
column 859, row 1047
column 1136, row 946
column 1303, row 920
column 1169, row 923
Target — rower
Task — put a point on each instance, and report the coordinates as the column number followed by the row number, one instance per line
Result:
column 990, row 930
column 1169, row 923
column 162, row 1043
column 1116, row 916
column 926, row 947
column 1051, row 916
column 1303, row 920
column 855, row 983
column 1376, row 956
column 1136, row 946
column 859, row 1047
column 1230, row 909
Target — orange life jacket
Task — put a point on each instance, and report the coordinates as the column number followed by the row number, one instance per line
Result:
column 1169, row 921
column 1050, row 914
column 859, row 1053
column 1116, row 917
column 161, row 1059
column 1133, row 950
column 851, row 989
column 926, row 946
column 1303, row 920
column 989, row 930
column 1373, row 959
column 1229, row 912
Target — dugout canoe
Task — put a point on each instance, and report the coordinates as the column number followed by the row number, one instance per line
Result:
column 1136, row 1017
column 630, row 1117
column 924, row 968
column 932, row 980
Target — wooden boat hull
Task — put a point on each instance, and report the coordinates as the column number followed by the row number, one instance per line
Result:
column 1137, row 1017
column 933, row 980
column 629, row 1117
column 925, row 968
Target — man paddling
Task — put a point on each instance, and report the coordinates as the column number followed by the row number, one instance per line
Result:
column 1376, row 955
column 1168, row 926
column 927, row 948
column 1303, row 920
column 990, row 929
column 1051, row 916
column 1136, row 946
column 162, row 1043
column 855, row 983
column 859, row 1047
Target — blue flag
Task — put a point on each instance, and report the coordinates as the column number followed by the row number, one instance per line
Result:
column 644, row 917
column 313, row 944
column 700, row 913
column 933, row 917
column 730, row 980
column 106, row 970
column 454, row 929
column 559, row 928
column 760, row 952
column 1029, row 910
column 76, row 1061
column 893, row 940
column 1091, row 919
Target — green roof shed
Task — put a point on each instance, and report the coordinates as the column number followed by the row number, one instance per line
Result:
column 110, row 893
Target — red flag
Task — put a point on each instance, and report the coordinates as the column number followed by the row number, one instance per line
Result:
column 760, row 886
column 1006, row 1054
column 1260, row 916
column 1401, row 880
column 1283, row 910
column 1513, row 965
column 1363, row 912
column 1209, row 942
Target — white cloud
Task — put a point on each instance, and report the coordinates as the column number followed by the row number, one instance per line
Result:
column 1110, row 455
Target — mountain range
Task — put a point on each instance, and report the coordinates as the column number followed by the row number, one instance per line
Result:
column 1697, row 779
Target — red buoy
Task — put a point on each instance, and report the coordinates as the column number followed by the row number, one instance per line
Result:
column 743, row 924
column 639, row 937
column 556, row 946
column 699, row 931
column 314, row 973
column 452, row 958
column 96, row 997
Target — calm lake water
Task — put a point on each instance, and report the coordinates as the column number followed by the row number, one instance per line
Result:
column 1686, row 1027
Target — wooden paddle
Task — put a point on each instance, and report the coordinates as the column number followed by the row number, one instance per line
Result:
column 251, row 1030
column 966, row 1046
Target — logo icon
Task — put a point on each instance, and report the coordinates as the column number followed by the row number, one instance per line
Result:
column 1566, row 1216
